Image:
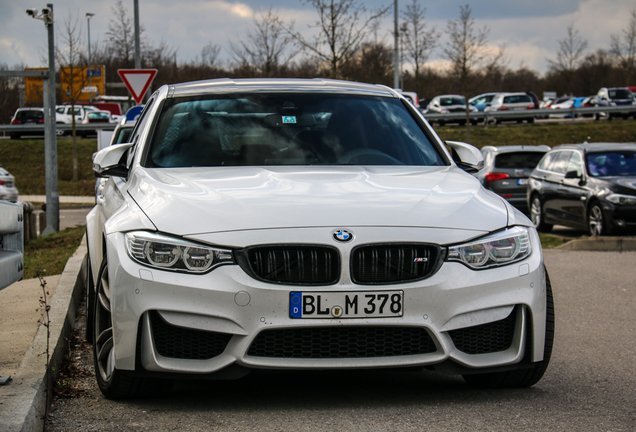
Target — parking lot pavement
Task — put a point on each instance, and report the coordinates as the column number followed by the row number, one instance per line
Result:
column 25, row 341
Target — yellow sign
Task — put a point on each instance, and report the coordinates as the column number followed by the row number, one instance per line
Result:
column 79, row 84
column 33, row 88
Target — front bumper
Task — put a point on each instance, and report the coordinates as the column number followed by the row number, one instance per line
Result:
column 225, row 314
column 620, row 217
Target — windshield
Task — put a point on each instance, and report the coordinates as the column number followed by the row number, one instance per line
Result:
column 518, row 160
column 288, row 129
column 613, row 163
column 621, row 94
column 447, row 101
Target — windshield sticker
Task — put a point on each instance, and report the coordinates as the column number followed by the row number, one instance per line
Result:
column 289, row 119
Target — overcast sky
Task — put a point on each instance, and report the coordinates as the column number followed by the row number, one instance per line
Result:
column 529, row 29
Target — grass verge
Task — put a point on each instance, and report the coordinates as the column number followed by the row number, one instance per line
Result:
column 48, row 255
column 551, row 242
column 550, row 134
column 25, row 160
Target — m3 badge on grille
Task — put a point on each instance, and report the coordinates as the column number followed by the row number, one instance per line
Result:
column 342, row 235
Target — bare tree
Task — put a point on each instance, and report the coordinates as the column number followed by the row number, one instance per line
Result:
column 120, row 34
column 624, row 48
column 571, row 52
column 468, row 49
column 9, row 93
column 267, row 47
column 343, row 26
column 419, row 40
column 210, row 54
column 70, row 56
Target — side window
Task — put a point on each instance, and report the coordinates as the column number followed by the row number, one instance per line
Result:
column 560, row 163
column 545, row 162
column 60, row 110
column 575, row 164
column 141, row 122
column 139, row 126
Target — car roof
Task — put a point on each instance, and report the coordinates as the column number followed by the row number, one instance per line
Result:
column 513, row 94
column 597, row 147
column 267, row 85
column 516, row 148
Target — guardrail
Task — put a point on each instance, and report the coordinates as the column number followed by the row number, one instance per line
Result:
column 60, row 127
column 11, row 243
column 488, row 117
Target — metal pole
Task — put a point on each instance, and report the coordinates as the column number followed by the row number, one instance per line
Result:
column 50, row 140
column 90, row 74
column 396, row 59
column 137, row 43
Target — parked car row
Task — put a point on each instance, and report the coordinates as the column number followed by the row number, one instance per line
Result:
column 525, row 102
column 606, row 97
column 585, row 186
column 84, row 114
column 590, row 187
column 494, row 102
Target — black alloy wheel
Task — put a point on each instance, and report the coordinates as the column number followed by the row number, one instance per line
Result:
column 114, row 383
column 596, row 222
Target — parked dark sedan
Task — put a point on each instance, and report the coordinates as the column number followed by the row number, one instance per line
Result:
column 506, row 171
column 585, row 186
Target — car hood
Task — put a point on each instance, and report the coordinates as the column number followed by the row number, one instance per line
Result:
column 187, row 201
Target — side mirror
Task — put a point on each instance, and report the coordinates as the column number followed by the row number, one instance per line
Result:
column 111, row 161
column 466, row 157
column 572, row 175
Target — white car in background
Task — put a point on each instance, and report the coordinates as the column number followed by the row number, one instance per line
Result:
column 305, row 224
column 64, row 113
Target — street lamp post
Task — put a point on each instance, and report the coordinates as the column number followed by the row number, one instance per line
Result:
column 89, row 15
column 50, row 137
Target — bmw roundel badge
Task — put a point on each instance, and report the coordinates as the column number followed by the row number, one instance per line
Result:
column 342, row 235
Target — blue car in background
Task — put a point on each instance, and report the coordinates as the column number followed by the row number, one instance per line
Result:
column 481, row 101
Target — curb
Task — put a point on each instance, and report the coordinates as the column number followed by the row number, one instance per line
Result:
column 23, row 410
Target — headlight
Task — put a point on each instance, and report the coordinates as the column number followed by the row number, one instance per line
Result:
column 167, row 253
column 621, row 199
column 497, row 249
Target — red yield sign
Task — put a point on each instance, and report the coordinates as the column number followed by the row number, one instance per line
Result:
column 137, row 81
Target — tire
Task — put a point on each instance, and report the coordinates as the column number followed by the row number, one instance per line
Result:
column 536, row 215
column 114, row 383
column 531, row 120
column 523, row 377
column 596, row 221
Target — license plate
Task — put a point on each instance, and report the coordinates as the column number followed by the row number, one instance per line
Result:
column 523, row 181
column 346, row 304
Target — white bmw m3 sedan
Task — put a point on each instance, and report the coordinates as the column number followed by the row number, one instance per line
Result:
column 305, row 224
